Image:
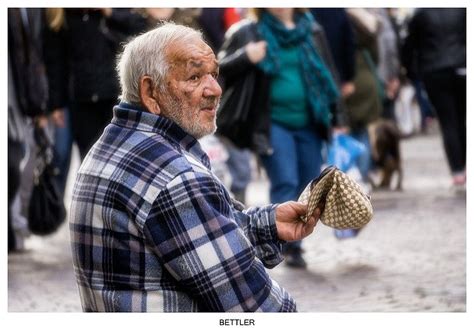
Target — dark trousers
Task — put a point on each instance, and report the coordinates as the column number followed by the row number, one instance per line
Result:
column 389, row 109
column 62, row 151
column 447, row 92
column 15, row 154
column 422, row 99
column 88, row 120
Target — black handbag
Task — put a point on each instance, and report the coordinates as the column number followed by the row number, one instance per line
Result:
column 46, row 208
column 243, row 116
column 233, row 117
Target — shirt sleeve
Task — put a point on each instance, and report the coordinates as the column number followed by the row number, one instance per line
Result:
column 193, row 230
column 260, row 228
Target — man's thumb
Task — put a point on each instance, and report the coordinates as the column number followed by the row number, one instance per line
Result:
column 300, row 208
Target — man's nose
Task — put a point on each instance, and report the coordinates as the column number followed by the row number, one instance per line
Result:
column 212, row 87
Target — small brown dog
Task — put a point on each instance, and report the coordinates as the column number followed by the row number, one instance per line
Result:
column 384, row 139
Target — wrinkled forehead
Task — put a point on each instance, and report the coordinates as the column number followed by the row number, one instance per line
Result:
column 190, row 51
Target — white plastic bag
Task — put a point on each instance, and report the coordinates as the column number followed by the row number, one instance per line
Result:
column 407, row 111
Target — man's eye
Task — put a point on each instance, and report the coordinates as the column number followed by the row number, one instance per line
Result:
column 215, row 75
column 194, row 78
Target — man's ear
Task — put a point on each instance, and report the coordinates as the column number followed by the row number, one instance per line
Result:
column 147, row 96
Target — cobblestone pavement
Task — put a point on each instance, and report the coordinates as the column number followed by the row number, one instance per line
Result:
column 410, row 258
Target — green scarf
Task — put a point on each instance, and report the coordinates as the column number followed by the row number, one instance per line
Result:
column 322, row 90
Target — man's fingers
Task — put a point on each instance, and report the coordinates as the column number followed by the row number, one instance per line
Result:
column 317, row 213
column 300, row 208
column 312, row 221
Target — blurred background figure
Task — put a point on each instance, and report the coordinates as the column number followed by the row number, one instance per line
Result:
column 278, row 98
column 365, row 104
column 239, row 167
column 436, row 44
column 340, row 36
column 214, row 22
column 410, row 79
column 185, row 16
column 80, row 46
column 388, row 67
column 27, row 106
column 60, row 118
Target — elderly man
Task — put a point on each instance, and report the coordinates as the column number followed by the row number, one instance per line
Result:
column 152, row 228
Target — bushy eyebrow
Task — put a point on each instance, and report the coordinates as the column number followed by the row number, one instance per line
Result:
column 199, row 64
column 196, row 63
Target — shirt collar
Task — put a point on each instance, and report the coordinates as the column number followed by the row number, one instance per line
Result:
column 133, row 116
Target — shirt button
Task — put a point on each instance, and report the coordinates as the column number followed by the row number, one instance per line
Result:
column 95, row 98
column 85, row 17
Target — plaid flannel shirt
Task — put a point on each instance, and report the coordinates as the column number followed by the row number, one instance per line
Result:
column 152, row 229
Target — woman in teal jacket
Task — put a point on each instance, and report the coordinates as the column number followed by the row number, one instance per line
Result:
column 289, row 107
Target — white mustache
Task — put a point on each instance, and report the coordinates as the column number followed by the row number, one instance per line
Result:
column 211, row 105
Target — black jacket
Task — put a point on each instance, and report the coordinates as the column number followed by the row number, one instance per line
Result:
column 340, row 36
column 27, row 73
column 80, row 58
column 436, row 40
column 244, row 115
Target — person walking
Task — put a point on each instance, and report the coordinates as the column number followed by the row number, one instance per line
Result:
column 27, row 110
column 340, row 36
column 365, row 105
column 388, row 67
column 286, row 89
column 81, row 74
column 436, row 43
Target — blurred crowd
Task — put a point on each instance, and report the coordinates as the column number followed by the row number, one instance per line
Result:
column 293, row 79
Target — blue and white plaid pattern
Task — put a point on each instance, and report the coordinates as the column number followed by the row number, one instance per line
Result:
column 152, row 229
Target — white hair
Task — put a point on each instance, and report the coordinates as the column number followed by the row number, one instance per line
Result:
column 146, row 55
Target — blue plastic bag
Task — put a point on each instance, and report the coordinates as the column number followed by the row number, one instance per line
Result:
column 346, row 234
column 344, row 151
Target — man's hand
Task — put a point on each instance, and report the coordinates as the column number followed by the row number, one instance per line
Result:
column 289, row 225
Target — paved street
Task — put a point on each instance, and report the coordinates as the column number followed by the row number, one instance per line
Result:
column 410, row 258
